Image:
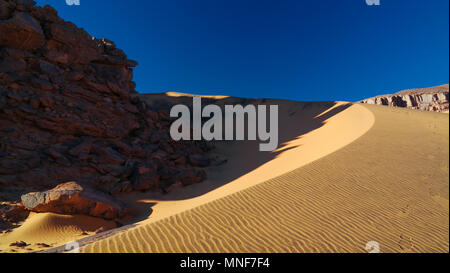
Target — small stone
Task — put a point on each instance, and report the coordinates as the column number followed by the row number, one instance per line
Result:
column 100, row 230
column 199, row 160
column 43, row 245
column 20, row 244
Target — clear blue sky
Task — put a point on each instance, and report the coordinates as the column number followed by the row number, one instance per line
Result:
column 305, row 50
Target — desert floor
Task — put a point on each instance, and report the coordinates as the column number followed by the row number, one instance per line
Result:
column 344, row 174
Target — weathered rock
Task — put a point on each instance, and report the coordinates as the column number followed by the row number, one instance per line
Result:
column 108, row 155
column 72, row 198
column 199, row 160
column 77, row 43
column 24, row 5
column 9, row 64
column 48, row 68
column 43, row 245
column 145, row 177
column 56, row 56
column 53, row 153
column 13, row 213
column 180, row 161
column 175, row 186
column 190, row 177
column 9, row 166
column 20, row 244
column 69, row 112
column 22, row 31
column 434, row 99
column 5, row 10
column 82, row 150
column 100, row 230
column 45, row 14
column 123, row 187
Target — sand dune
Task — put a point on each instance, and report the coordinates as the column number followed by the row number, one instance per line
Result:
column 247, row 166
column 51, row 229
column 344, row 174
column 389, row 186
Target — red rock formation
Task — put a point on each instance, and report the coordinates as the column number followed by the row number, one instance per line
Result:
column 434, row 99
column 69, row 112
column 11, row 214
column 71, row 198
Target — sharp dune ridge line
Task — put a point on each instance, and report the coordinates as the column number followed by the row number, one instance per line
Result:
column 351, row 123
column 390, row 186
column 304, row 137
column 343, row 175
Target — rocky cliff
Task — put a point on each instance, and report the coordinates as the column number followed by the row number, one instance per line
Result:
column 68, row 112
column 428, row 99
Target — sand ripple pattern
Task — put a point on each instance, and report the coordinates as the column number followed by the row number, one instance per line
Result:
column 389, row 186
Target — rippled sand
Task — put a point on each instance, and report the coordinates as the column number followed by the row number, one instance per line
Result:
column 344, row 175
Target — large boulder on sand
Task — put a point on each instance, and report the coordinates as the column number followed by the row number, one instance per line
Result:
column 72, row 198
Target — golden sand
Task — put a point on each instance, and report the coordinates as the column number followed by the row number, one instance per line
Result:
column 344, row 175
column 51, row 229
column 388, row 186
column 247, row 166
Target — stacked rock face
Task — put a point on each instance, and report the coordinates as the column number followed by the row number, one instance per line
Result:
column 434, row 99
column 69, row 112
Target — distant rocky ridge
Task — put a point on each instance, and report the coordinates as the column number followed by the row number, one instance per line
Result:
column 69, row 112
column 434, row 99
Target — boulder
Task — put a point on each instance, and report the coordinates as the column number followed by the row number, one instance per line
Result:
column 83, row 149
column 20, row 244
column 10, row 64
column 199, row 160
column 72, row 198
column 190, row 177
column 145, row 177
column 77, row 43
column 22, row 31
column 13, row 212
column 5, row 10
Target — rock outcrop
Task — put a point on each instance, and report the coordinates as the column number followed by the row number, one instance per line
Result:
column 11, row 214
column 434, row 99
column 69, row 112
column 72, row 198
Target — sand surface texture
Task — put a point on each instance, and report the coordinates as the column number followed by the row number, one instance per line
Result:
column 344, row 174
column 390, row 185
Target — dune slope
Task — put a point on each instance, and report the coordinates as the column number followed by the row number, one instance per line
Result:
column 51, row 229
column 304, row 131
column 389, row 186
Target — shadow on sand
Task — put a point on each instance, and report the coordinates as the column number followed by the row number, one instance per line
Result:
column 296, row 119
